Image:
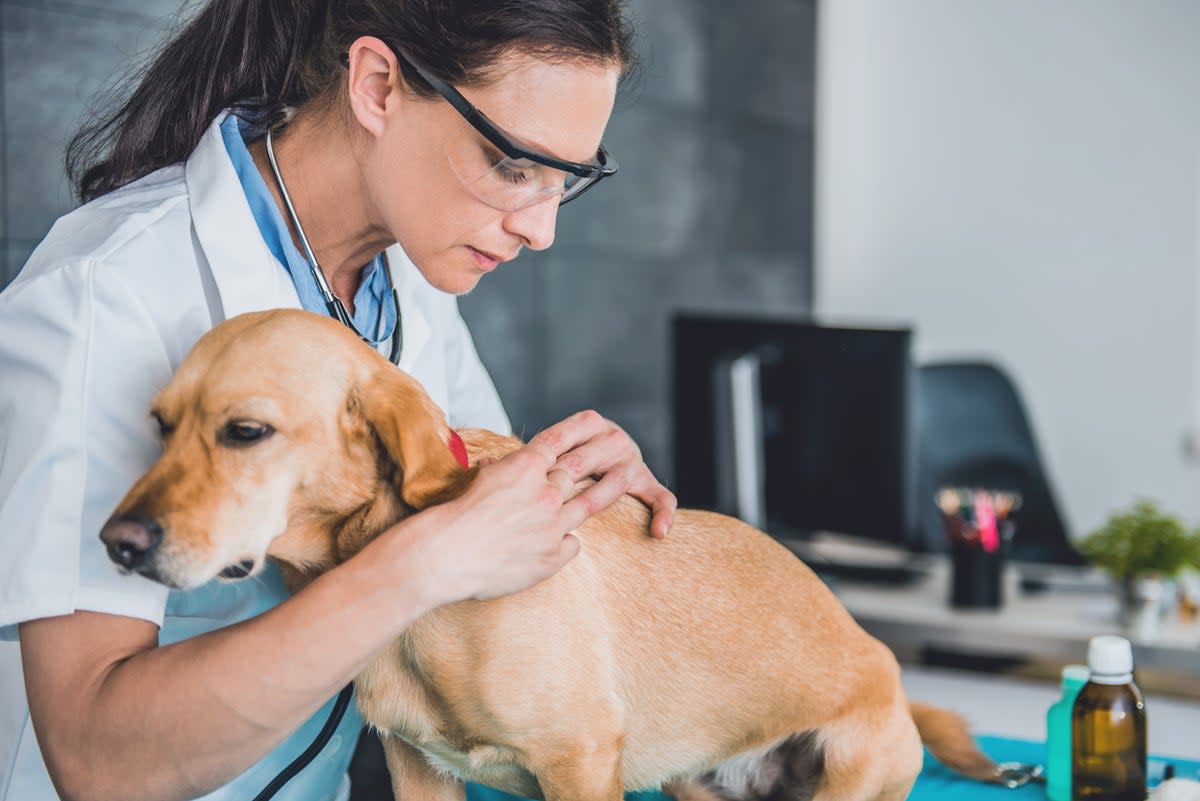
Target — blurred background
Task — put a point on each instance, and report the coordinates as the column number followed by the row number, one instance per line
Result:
column 1014, row 182
column 1017, row 181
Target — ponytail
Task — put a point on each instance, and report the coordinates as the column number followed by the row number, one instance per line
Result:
column 234, row 53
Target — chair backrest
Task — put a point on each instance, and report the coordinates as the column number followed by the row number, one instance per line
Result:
column 972, row 431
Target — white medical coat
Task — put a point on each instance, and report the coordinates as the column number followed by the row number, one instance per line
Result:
column 99, row 318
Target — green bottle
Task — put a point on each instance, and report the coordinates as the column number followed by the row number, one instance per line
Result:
column 1058, row 734
column 1108, row 728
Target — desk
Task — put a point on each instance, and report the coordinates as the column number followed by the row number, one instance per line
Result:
column 1052, row 626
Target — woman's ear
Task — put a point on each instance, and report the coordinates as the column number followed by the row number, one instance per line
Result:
column 373, row 75
column 415, row 435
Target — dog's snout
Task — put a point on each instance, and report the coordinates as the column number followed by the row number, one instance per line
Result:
column 131, row 541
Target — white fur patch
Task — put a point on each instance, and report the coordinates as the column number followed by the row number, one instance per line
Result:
column 494, row 766
column 749, row 773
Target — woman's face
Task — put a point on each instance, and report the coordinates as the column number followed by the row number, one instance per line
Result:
column 559, row 109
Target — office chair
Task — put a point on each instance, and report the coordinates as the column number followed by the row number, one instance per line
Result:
column 972, row 431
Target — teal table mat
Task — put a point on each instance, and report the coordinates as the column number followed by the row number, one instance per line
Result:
column 477, row 792
column 936, row 783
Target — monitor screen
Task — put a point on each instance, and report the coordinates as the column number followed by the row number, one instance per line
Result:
column 794, row 426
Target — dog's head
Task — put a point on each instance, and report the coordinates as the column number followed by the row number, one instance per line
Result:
column 284, row 435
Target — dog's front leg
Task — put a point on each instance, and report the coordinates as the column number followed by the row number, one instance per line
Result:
column 412, row 777
column 582, row 771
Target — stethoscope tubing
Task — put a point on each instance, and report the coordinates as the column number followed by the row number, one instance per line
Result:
column 332, row 304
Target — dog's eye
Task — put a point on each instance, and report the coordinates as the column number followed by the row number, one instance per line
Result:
column 244, row 432
column 164, row 428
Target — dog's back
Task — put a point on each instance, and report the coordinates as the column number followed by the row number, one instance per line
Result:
column 713, row 642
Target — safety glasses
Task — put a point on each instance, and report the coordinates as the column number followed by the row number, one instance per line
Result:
column 500, row 171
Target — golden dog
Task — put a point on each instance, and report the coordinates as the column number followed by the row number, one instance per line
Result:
column 713, row 663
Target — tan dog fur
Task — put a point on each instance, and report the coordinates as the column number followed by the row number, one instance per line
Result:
column 643, row 663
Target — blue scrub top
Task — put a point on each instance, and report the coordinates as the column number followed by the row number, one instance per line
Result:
column 374, row 314
column 216, row 605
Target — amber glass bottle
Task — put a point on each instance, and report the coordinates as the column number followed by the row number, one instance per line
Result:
column 1108, row 728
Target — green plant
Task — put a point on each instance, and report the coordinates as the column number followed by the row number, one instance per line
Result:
column 1142, row 540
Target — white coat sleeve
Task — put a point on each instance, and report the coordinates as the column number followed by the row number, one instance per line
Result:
column 474, row 401
column 80, row 360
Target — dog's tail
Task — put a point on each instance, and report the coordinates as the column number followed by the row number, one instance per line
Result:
column 947, row 737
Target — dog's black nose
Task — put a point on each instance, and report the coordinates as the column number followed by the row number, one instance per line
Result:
column 130, row 541
column 239, row 570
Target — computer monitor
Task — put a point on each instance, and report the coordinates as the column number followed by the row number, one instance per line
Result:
column 796, row 427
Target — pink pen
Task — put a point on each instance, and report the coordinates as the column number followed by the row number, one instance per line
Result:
column 985, row 518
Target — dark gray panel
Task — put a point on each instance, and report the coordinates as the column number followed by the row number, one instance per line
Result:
column 4, row 56
column 743, row 284
column 764, row 179
column 672, row 53
column 507, row 318
column 654, row 205
column 608, row 342
column 762, row 59
column 46, row 98
column 3, row 183
column 16, row 253
column 160, row 12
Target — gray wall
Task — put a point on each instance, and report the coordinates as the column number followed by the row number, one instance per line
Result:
column 56, row 56
column 712, row 208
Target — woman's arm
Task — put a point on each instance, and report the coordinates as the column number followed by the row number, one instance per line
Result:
column 119, row 718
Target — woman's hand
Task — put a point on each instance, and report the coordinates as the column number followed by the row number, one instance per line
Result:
column 511, row 529
column 589, row 445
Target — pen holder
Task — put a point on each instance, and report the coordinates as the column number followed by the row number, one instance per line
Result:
column 976, row 577
column 978, row 529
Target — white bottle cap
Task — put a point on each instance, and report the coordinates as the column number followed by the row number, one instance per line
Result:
column 1110, row 658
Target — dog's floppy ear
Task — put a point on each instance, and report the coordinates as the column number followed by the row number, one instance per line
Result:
column 415, row 434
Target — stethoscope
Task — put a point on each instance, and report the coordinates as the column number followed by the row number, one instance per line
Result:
column 338, row 312
column 332, row 303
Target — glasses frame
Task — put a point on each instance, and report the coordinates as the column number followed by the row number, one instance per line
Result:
column 604, row 165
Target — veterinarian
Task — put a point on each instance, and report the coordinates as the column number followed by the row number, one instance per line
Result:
column 367, row 159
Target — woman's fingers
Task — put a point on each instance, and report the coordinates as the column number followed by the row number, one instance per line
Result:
column 587, row 444
column 560, row 479
column 662, row 503
column 645, row 488
column 572, row 432
column 602, row 453
column 568, row 549
column 599, row 496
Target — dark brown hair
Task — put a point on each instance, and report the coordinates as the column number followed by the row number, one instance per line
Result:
column 265, row 55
